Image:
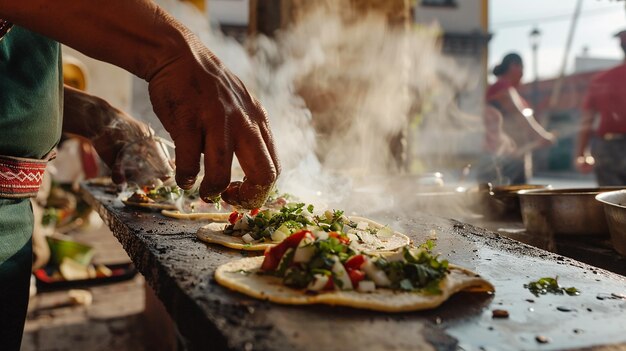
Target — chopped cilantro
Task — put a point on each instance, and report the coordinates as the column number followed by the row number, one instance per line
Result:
column 548, row 285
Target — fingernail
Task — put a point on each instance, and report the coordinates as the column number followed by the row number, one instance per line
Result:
column 185, row 182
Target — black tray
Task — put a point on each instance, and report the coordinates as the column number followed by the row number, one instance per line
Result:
column 45, row 281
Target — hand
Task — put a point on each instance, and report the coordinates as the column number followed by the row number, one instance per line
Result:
column 206, row 109
column 584, row 164
column 131, row 151
column 547, row 139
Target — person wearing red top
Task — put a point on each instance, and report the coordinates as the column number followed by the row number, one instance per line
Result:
column 605, row 101
column 511, row 131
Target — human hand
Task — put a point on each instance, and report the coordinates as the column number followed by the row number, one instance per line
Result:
column 547, row 139
column 207, row 109
column 584, row 164
column 131, row 150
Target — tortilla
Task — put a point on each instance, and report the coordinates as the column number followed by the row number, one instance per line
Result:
column 242, row 276
column 209, row 216
column 214, row 233
column 150, row 205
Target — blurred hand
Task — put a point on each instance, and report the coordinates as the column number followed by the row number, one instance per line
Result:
column 584, row 164
column 131, row 151
column 206, row 109
column 548, row 139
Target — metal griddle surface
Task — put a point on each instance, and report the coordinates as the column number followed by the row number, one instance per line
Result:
column 180, row 269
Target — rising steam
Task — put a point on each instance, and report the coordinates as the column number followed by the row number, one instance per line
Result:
column 343, row 95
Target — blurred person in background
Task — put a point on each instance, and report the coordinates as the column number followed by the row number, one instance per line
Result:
column 511, row 130
column 205, row 108
column 605, row 103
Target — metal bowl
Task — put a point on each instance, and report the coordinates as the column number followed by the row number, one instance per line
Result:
column 614, row 203
column 503, row 201
column 564, row 211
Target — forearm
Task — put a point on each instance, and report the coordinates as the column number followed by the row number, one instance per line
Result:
column 536, row 129
column 136, row 35
column 96, row 120
column 85, row 115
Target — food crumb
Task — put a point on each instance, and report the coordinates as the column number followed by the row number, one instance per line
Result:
column 500, row 314
column 542, row 339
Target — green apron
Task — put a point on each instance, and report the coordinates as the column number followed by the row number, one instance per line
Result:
column 30, row 126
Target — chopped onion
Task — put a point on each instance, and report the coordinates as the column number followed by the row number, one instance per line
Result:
column 341, row 275
column 242, row 224
column 376, row 274
column 279, row 235
column 322, row 235
column 247, row 238
column 384, row 233
column 328, row 214
column 397, row 256
column 362, row 225
column 366, row 286
column 353, row 237
column 304, row 253
column 318, row 283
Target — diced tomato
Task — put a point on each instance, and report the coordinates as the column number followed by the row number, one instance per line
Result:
column 234, row 217
column 273, row 255
column 342, row 238
column 356, row 275
column 330, row 285
column 255, row 212
column 354, row 262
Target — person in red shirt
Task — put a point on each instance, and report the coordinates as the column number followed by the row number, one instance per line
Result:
column 511, row 131
column 606, row 102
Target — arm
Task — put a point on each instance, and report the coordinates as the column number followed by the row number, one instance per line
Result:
column 204, row 107
column 115, row 135
column 584, row 163
column 513, row 102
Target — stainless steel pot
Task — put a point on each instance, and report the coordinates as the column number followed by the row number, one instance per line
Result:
column 500, row 202
column 564, row 211
column 614, row 203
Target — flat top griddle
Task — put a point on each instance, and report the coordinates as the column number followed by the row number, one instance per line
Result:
column 180, row 269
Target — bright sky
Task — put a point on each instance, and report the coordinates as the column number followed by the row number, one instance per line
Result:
column 512, row 20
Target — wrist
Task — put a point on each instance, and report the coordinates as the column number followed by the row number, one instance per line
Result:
column 174, row 41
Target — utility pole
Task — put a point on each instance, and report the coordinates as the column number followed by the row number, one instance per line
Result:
column 556, row 93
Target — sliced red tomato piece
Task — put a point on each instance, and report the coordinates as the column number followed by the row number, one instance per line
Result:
column 273, row 255
column 356, row 275
column 354, row 262
column 233, row 217
column 255, row 212
column 330, row 285
column 342, row 238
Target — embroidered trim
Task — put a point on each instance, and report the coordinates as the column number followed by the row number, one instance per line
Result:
column 21, row 177
column 5, row 27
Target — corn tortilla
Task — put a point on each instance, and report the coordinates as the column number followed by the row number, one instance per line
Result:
column 242, row 276
column 214, row 233
column 209, row 216
column 150, row 205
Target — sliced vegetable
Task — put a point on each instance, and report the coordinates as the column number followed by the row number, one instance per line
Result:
column 274, row 254
column 318, row 283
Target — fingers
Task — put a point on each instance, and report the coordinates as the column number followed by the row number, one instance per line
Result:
column 218, row 158
column 258, row 165
column 268, row 138
column 188, row 149
column 117, row 172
